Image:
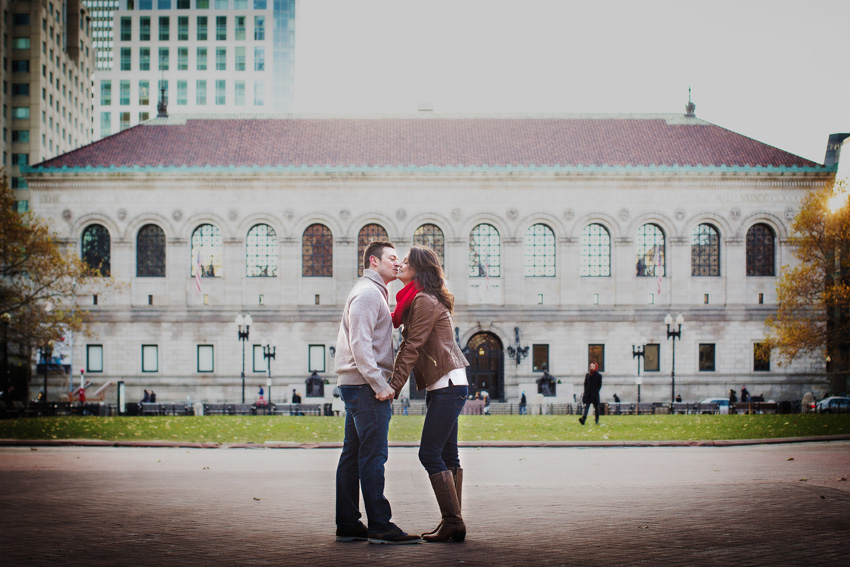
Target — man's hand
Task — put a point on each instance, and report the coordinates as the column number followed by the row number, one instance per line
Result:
column 387, row 394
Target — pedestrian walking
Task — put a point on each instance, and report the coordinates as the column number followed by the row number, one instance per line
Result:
column 364, row 366
column 429, row 350
column 523, row 404
column 405, row 404
column 592, row 385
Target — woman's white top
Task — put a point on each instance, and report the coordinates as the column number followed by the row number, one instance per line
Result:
column 457, row 377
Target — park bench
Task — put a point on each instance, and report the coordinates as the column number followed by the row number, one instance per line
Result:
column 756, row 407
column 214, row 409
column 298, row 409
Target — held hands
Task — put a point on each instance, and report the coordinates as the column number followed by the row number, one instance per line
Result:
column 386, row 394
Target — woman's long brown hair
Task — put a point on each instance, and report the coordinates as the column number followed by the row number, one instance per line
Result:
column 429, row 275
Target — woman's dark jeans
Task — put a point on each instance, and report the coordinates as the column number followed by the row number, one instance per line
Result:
column 438, row 447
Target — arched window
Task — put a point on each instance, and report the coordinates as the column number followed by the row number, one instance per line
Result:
column 150, row 252
column 431, row 236
column 650, row 251
column 261, row 252
column 95, row 249
column 369, row 233
column 207, row 251
column 705, row 251
column 539, row 251
column 761, row 251
column 317, row 252
column 485, row 252
column 595, row 251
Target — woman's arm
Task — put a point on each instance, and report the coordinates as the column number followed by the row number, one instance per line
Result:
column 423, row 316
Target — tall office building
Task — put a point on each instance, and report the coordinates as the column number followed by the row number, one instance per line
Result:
column 101, row 25
column 207, row 56
column 46, row 76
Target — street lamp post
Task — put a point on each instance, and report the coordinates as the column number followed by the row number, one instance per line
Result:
column 268, row 354
column 46, row 351
column 246, row 321
column 639, row 352
column 675, row 335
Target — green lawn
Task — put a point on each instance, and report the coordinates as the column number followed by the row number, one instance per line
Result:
column 261, row 429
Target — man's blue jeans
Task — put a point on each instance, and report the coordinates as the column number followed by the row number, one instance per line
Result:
column 438, row 447
column 364, row 453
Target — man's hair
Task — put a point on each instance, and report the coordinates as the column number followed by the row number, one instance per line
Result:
column 375, row 248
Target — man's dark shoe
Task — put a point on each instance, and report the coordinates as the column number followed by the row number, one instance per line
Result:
column 393, row 536
column 357, row 533
column 581, row 420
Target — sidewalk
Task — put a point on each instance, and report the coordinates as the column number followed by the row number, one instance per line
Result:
column 777, row 504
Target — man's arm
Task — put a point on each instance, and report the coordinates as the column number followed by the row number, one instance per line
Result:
column 362, row 318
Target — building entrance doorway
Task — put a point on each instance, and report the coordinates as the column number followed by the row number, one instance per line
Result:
column 486, row 370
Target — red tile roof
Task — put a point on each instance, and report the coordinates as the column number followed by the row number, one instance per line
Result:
column 522, row 141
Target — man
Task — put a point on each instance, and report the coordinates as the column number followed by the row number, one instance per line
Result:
column 364, row 365
column 592, row 385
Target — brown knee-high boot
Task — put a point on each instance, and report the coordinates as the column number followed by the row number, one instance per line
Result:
column 458, row 477
column 452, row 526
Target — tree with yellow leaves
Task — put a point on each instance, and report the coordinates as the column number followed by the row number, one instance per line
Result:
column 39, row 284
column 813, row 317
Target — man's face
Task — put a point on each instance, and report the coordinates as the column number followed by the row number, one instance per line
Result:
column 593, row 367
column 387, row 265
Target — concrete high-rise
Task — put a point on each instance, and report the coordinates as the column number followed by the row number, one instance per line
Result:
column 207, row 56
column 101, row 30
column 47, row 70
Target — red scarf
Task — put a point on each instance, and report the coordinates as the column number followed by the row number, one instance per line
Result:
column 404, row 298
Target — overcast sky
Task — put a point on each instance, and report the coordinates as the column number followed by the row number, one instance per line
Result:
column 774, row 70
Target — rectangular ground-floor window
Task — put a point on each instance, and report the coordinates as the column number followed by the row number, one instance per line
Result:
column 761, row 358
column 94, row 358
column 596, row 353
column 205, row 358
column 652, row 358
column 316, row 358
column 259, row 359
column 539, row 358
column 706, row 358
column 150, row 358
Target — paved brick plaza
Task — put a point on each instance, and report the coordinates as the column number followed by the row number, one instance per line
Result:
column 757, row 505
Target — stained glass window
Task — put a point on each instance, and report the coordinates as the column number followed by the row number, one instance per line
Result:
column 539, row 251
column 369, row 233
column 261, row 253
column 595, row 251
column 317, row 252
column 431, row 236
column 761, row 251
column 650, row 251
column 705, row 251
column 485, row 252
column 150, row 252
column 96, row 248
column 207, row 247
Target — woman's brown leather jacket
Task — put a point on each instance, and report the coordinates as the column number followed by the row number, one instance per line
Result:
column 428, row 348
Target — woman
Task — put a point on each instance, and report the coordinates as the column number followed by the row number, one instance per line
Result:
column 428, row 349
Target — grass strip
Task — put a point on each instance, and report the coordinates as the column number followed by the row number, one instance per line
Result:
column 306, row 429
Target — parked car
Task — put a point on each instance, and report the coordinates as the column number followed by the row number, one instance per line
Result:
column 722, row 404
column 833, row 405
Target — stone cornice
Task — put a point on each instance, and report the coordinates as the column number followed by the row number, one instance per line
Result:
column 155, row 179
